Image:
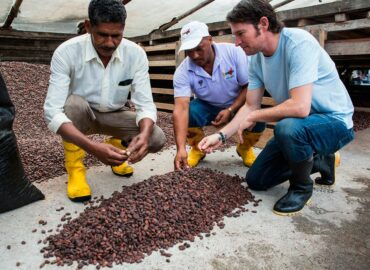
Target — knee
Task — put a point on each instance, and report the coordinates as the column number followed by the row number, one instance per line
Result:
column 195, row 120
column 287, row 129
column 198, row 114
column 254, row 181
column 158, row 140
column 74, row 106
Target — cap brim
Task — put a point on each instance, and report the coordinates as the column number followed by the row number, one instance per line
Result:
column 190, row 44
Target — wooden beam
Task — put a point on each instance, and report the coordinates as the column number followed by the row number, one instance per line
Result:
column 345, row 26
column 283, row 3
column 161, row 47
column 212, row 27
column 179, row 56
column 184, row 15
column 268, row 101
column 320, row 35
column 164, row 63
column 362, row 109
column 35, row 35
column 164, row 106
column 13, row 13
column 161, row 57
column 304, row 22
column 340, row 17
column 164, row 91
column 323, row 9
column 164, row 77
column 225, row 38
column 348, row 47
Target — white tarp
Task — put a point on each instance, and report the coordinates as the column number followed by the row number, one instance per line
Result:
column 143, row 15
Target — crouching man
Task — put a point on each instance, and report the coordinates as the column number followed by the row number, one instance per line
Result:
column 217, row 74
column 314, row 111
column 91, row 77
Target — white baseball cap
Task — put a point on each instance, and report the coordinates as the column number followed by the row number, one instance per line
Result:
column 192, row 34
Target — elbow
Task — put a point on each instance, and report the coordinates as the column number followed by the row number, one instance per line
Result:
column 302, row 111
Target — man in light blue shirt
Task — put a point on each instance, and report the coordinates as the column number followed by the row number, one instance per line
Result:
column 217, row 75
column 314, row 111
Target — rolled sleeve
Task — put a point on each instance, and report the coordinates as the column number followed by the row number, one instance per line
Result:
column 57, row 121
column 57, row 92
column 181, row 82
column 141, row 91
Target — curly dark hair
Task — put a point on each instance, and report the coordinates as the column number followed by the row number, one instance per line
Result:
column 107, row 11
column 251, row 11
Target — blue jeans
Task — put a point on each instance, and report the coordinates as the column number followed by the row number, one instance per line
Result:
column 295, row 140
column 202, row 113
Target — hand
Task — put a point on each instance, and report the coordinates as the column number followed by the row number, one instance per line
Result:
column 209, row 143
column 181, row 160
column 138, row 148
column 108, row 154
column 245, row 125
column 222, row 118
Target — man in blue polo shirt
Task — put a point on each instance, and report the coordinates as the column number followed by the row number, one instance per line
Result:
column 314, row 111
column 217, row 75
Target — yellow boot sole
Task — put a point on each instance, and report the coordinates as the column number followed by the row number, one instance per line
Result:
column 195, row 158
column 249, row 161
column 123, row 170
column 80, row 194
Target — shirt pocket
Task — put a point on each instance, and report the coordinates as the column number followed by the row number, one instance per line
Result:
column 121, row 94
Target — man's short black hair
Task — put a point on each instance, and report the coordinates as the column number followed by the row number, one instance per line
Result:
column 107, row 11
column 251, row 11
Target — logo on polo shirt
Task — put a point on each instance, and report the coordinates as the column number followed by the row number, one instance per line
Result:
column 229, row 74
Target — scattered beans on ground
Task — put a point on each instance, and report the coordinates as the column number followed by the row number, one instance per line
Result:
column 153, row 215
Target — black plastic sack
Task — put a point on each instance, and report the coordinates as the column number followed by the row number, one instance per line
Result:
column 15, row 188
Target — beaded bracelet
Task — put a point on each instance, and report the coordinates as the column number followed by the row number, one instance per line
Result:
column 222, row 137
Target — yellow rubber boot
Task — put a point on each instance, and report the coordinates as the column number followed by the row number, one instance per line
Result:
column 78, row 189
column 245, row 150
column 195, row 135
column 124, row 169
column 337, row 159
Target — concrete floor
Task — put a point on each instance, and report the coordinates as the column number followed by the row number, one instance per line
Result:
column 332, row 233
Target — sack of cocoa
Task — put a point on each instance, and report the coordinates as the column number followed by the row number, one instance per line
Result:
column 15, row 188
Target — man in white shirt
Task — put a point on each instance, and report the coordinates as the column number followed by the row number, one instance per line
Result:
column 91, row 77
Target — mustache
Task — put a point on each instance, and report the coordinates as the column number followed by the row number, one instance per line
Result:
column 108, row 48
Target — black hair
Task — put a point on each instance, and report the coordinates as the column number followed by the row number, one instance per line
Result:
column 251, row 11
column 107, row 11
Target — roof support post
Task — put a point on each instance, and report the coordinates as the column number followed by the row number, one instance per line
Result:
column 12, row 14
column 179, row 18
